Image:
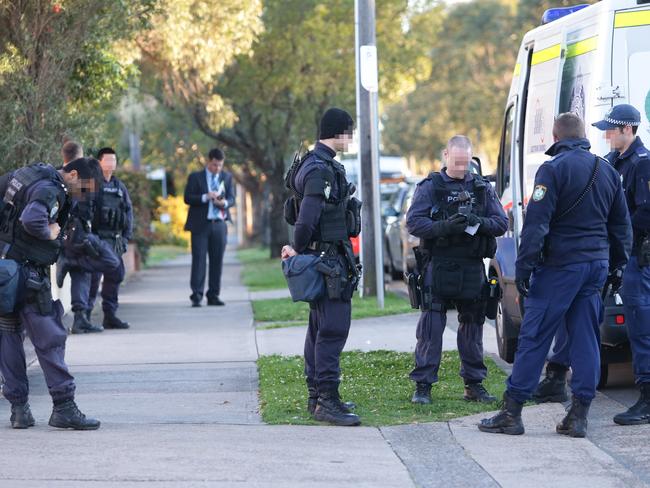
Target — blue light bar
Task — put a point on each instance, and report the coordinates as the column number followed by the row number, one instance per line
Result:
column 557, row 13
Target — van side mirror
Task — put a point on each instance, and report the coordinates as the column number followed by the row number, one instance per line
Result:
column 475, row 166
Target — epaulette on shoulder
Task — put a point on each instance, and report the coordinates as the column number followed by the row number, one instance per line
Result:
column 430, row 177
column 642, row 152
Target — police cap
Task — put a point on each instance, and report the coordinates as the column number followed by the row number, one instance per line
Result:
column 619, row 116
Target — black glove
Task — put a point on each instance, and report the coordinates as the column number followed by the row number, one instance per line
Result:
column 472, row 220
column 454, row 225
column 523, row 286
column 614, row 279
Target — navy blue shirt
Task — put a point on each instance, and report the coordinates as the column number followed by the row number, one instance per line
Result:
column 418, row 217
column 598, row 228
column 38, row 215
column 115, row 184
column 305, row 230
column 634, row 166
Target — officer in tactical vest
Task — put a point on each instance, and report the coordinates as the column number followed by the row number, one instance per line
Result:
column 113, row 223
column 327, row 216
column 84, row 252
column 34, row 211
column 457, row 217
column 576, row 232
column 632, row 160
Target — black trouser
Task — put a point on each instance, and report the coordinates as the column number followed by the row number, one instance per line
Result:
column 210, row 242
column 329, row 325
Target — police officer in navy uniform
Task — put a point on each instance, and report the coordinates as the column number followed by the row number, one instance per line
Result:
column 84, row 253
column 323, row 192
column 632, row 160
column 113, row 223
column 35, row 210
column 577, row 230
column 457, row 217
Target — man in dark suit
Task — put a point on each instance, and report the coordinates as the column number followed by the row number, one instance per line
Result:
column 210, row 194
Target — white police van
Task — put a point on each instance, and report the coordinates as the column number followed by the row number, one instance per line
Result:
column 582, row 59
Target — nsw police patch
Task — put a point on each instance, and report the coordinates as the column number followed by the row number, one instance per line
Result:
column 328, row 189
column 54, row 210
column 539, row 192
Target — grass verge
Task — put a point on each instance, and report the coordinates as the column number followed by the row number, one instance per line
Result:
column 281, row 325
column 285, row 310
column 259, row 272
column 378, row 383
column 160, row 253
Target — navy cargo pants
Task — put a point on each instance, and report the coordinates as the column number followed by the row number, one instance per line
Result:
column 107, row 262
column 48, row 335
column 636, row 301
column 110, row 288
column 469, row 339
column 561, row 295
column 329, row 325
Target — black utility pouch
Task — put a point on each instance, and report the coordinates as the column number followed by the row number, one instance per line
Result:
column 353, row 217
column 457, row 279
column 291, row 210
column 413, row 284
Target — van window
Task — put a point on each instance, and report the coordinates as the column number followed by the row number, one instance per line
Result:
column 631, row 54
column 576, row 73
column 505, row 153
column 541, row 107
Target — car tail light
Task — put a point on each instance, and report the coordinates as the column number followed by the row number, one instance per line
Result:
column 620, row 319
column 355, row 245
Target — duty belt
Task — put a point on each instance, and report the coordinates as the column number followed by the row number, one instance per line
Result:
column 320, row 246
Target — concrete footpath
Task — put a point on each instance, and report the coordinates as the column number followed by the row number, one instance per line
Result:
column 177, row 395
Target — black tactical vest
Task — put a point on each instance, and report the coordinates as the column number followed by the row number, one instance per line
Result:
column 111, row 213
column 447, row 201
column 340, row 217
column 15, row 242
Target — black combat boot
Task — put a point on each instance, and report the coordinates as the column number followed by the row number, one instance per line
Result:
column 476, row 392
column 111, row 321
column 553, row 387
column 422, row 394
column 312, row 399
column 575, row 422
column 507, row 421
column 329, row 408
column 82, row 325
column 639, row 413
column 67, row 416
column 21, row 416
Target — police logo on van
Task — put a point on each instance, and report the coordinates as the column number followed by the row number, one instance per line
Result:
column 539, row 192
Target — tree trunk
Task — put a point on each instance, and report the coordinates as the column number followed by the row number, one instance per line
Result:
column 279, row 234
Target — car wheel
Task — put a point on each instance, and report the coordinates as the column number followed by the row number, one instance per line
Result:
column 507, row 346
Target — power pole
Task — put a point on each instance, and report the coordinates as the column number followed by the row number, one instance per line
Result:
column 368, row 125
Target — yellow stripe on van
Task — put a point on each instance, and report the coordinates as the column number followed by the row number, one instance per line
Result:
column 546, row 54
column 582, row 47
column 632, row 19
column 517, row 70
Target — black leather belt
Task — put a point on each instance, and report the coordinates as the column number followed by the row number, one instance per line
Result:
column 215, row 220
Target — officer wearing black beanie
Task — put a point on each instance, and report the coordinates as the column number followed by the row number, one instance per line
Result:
column 335, row 122
column 324, row 197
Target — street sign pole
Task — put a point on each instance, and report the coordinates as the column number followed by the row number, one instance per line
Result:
column 368, row 124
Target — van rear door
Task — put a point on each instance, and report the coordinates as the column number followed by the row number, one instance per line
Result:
column 631, row 62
